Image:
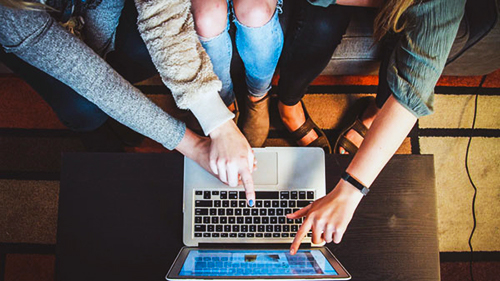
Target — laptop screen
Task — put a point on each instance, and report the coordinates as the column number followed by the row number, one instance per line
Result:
column 211, row 263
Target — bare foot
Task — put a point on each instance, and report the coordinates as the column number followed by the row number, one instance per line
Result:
column 293, row 117
column 367, row 119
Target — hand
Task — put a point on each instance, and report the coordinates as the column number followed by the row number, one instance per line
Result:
column 232, row 157
column 328, row 216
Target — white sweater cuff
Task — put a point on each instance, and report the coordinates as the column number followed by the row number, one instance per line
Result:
column 211, row 112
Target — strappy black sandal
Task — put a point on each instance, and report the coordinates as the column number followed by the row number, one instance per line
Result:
column 304, row 129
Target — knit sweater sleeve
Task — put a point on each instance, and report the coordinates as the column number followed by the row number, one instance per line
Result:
column 167, row 28
column 37, row 39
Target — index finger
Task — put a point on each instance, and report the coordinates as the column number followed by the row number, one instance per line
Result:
column 246, row 178
column 303, row 230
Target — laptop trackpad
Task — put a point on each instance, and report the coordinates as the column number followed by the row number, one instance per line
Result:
column 267, row 168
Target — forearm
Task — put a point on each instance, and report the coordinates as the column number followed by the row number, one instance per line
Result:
column 51, row 49
column 387, row 133
column 167, row 28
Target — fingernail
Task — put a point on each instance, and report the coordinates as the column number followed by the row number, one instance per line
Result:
column 250, row 203
column 292, row 251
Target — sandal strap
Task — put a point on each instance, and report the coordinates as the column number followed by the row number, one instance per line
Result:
column 360, row 128
column 322, row 142
column 348, row 146
column 303, row 130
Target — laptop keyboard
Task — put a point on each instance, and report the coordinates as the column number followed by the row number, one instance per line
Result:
column 225, row 214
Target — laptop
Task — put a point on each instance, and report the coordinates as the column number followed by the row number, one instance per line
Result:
column 225, row 239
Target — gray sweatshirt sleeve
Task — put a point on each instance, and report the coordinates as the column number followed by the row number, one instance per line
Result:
column 37, row 39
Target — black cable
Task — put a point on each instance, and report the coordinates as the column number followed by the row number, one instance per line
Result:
column 470, row 179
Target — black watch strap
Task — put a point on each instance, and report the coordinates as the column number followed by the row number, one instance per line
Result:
column 363, row 189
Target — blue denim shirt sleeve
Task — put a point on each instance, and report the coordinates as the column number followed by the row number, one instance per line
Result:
column 420, row 55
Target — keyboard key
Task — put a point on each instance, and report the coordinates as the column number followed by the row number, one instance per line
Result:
column 206, row 234
column 231, row 220
column 234, row 204
column 269, row 228
column 201, row 212
column 256, row 220
column 302, row 203
column 267, row 195
column 255, row 212
column 224, row 235
column 276, row 203
column 259, row 235
column 276, row 235
column 277, row 228
column 267, row 235
column 233, row 195
column 310, row 195
column 218, row 228
column 294, row 195
column 242, row 195
column 302, row 195
column 244, row 228
column 274, row 220
column 286, row 228
column 267, row 204
column 217, row 203
column 225, row 203
column 227, row 228
column 210, row 228
column 250, row 235
column 221, row 212
column 203, row 203
column 241, row 235
column 199, row 192
column 248, row 220
column 252, row 228
column 215, row 220
column 215, row 235
column 206, row 195
column 213, row 212
column 271, row 212
column 288, row 211
column 236, row 228
column 229, row 212
column 246, row 212
column 265, row 220
column 291, row 204
column 285, row 235
column 258, row 204
column 295, row 228
column 284, row 204
column 223, row 195
column 261, row 228
column 237, row 212
column 309, row 234
column 239, row 220
column 232, row 235
column 263, row 212
column 199, row 228
column 242, row 203
column 197, row 219
column 206, row 220
column 292, row 234
column 223, row 220
column 279, row 212
column 282, row 220
column 197, row 234
column 284, row 195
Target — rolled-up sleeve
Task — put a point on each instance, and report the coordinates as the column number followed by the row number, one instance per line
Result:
column 420, row 55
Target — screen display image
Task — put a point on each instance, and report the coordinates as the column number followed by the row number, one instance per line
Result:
column 256, row 263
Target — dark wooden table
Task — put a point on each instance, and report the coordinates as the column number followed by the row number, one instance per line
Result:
column 120, row 218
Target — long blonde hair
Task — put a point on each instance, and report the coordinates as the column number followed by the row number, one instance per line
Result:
column 389, row 17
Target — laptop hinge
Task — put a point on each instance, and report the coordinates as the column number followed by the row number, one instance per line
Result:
column 250, row 245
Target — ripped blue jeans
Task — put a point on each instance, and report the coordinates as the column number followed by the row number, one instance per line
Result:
column 258, row 47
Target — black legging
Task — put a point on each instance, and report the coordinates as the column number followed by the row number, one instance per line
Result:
column 312, row 34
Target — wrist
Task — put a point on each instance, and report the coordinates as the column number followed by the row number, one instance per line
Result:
column 190, row 144
column 222, row 129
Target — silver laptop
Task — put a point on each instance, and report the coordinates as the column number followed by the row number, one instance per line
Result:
column 226, row 239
